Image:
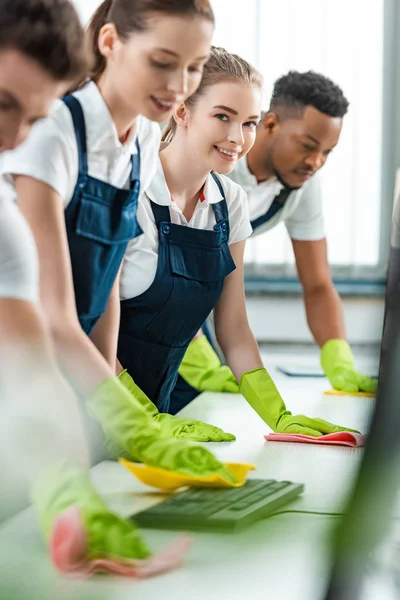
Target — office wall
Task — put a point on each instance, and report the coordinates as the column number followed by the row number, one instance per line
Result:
column 282, row 319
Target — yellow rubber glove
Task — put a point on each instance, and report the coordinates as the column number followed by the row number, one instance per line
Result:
column 338, row 363
column 130, row 428
column 202, row 369
column 262, row 395
column 176, row 427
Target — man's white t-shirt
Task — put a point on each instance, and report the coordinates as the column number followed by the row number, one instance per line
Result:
column 301, row 213
column 19, row 273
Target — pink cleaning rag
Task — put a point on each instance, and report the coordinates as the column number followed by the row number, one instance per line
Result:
column 342, row 438
column 69, row 554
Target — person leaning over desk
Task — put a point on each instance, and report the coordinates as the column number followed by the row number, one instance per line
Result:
column 58, row 265
column 190, row 259
column 77, row 179
column 294, row 140
column 42, row 440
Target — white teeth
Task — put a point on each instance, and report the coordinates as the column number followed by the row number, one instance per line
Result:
column 163, row 103
column 227, row 152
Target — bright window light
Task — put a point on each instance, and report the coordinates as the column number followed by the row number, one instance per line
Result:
column 343, row 39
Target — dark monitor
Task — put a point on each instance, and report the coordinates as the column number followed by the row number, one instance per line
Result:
column 370, row 512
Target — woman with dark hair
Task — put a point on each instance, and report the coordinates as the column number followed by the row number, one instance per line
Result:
column 40, row 413
column 78, row 179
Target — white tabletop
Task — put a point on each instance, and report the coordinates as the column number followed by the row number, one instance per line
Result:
column 282, row 557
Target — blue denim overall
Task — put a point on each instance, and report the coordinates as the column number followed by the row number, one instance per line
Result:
column 157, row 326
column 183, row 392
column 100, row 220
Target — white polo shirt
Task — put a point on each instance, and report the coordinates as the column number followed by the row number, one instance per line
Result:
column 140, row 262
column 19, row 273
column 301, row 213
column 50, row 153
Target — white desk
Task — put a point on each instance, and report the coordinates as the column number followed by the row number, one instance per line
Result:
column 283, row 557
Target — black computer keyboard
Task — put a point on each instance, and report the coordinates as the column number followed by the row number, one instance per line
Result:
column 220, row 509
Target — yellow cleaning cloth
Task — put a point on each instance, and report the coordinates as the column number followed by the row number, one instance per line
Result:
column 339, row 393
column 169, row 480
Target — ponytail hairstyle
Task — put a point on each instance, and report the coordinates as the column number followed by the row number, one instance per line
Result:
column 221, row 67
column 130, row 16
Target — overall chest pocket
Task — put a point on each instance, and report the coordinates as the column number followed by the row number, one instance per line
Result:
column 109, row 222
column 197, row 278
column 200, row 263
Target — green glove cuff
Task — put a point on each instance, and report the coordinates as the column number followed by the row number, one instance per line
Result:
column 126, row 422
column 173, row 426
column 150, row 408
column 262, row 395
column 202, row 369
column 63, row 486
column 337, row 360
column 122, row 417
column 334, row 354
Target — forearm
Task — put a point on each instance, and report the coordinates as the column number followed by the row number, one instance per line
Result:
column 79, row 359
column 324, row 314
column 105, row 334
column 239, row 347
column 43, row 421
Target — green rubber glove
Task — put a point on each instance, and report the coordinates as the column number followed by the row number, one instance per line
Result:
column 64, row 486
column 202, row 369
column 337, row 360
column 176, row 427
column 262, row 395
column 131, row 431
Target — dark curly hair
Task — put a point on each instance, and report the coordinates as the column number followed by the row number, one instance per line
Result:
column 49, row 32
column 294, row 91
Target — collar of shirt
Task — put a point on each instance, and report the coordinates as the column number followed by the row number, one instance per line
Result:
column 101, row 132
column 159, row 193
column 248, row 181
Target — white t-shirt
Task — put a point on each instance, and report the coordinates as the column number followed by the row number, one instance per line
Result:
column 50, row 153
column 140, row 262
column 301, row 213
column 19, row 273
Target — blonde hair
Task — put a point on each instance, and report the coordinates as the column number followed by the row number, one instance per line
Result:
column 222, row 66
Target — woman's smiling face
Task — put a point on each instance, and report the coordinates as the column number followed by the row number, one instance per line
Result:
column 221, row 125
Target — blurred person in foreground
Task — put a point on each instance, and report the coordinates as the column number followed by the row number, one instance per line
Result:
column 41, row 433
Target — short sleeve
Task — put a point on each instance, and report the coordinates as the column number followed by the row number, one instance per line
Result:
column 239, row 220
column 48, row 155
column 306, row 222
column 19, row 276
column 149, row 136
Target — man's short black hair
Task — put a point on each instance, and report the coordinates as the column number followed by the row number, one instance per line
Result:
column 47, row 31
column 294, row 91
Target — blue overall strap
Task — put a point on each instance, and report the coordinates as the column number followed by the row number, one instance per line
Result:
column 220, row 208
column 78, row 120
column 161, row 213
column 275, row 207
column 135, row 172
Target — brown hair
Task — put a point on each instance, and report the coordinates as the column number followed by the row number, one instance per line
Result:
column 49, row 32
column 221, row 66
column 130, row 16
